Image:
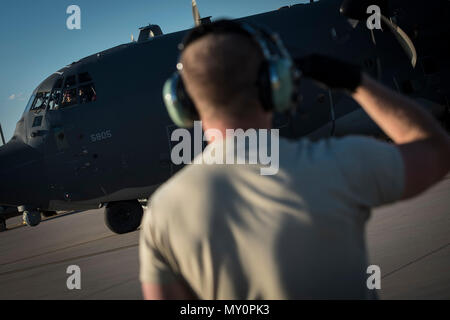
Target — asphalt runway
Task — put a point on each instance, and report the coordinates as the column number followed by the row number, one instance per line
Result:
column 410, row 241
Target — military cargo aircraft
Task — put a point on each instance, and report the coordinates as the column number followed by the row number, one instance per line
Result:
column 96, row 132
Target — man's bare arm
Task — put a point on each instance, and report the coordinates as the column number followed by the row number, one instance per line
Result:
column 424, row 145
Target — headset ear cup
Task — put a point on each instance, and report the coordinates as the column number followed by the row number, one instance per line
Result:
column 186, row 101
column 264, row 88
column 276, row 87
column 178, row 103
column 282, row 86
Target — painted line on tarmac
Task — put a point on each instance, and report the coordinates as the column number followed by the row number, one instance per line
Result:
column 89, row 296
column 415, row 260
column 68, row 259
column 57, row 250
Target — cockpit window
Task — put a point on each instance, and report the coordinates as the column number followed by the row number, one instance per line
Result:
column 58, row 83
column 84, row 77
column 30, row 103
column 55, row 98
column 69, row 97
column 87, row 93
column 66, row 95
column 40, row 102
column 70, row 82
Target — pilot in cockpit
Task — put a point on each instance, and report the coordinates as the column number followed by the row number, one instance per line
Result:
column 87, row 94
column 67, row 98
column 83, row 96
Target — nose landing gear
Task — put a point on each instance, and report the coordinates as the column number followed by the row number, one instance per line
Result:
column 32, row 217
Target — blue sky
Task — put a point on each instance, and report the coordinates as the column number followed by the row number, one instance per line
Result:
column 35, row 41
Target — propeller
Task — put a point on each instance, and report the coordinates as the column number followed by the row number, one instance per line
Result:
column 403, row 39
column 356, row 11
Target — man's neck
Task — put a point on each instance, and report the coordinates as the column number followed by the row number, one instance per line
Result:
column 260, row 120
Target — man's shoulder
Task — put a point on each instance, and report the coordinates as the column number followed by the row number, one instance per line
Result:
column 304, row 154
column 358, row 148
column 330, row 144
column 183, row 202
column 193, row 182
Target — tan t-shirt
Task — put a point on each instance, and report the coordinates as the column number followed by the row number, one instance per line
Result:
column 231, row 233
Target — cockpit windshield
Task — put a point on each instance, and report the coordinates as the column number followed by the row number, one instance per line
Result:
column 41, row 101
column 30, row 102
column 66, row 91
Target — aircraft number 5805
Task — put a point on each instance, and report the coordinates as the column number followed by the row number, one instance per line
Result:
column 101, row 136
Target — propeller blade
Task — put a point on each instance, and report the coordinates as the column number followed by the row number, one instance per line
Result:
column 403, row 39
column 196, row 13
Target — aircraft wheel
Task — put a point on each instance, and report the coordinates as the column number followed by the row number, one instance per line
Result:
column 32, row 218
column 47, row 214
column 2, row 225
column 123, row 216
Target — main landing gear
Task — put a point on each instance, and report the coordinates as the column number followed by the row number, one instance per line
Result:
column 123, row 216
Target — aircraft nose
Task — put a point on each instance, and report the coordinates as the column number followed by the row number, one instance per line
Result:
column 21, row 172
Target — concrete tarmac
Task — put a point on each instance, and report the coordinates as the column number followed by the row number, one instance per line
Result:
column 410, row 241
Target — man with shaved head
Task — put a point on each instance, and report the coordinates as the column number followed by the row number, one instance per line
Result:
column 227, row 232
column 220, row 73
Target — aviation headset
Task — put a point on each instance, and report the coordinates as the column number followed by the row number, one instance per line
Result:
column 277, row 80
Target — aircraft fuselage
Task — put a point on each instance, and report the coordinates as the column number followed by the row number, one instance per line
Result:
column 117, row 146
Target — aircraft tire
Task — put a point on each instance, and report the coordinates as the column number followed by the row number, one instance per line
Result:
column 47, row 214
column 2, row 225
column 123, row 216
column 32, row 218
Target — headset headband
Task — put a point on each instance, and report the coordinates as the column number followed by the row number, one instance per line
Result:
column 256, row 33
column 277, row 78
